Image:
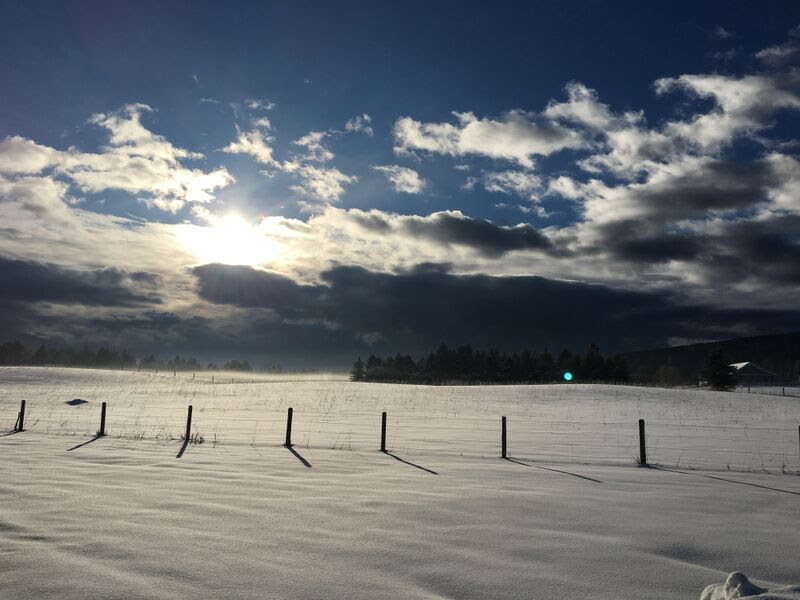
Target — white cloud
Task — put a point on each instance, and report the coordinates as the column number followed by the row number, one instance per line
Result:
column 360, row 123
column 316, row 151
column 518, row 136
column 785, row 194
column 404, row 180
column 322, row 183
column 262, row 123
column 520, row 183
column 136, row 161
column 566, row 187
column 256, row 104
column 778, row 54
column 743, row 105
column 20, row 155
column 315, row 181
column 40, row 196
column 583, row 107
column 256, row 143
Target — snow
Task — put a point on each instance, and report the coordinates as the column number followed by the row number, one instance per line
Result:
column 441, row 516
column 737, row 585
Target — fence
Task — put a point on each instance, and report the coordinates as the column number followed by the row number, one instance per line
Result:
column 739, row 447
column 791, row 391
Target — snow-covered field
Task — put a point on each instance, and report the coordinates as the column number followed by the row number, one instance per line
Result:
column 441, row 516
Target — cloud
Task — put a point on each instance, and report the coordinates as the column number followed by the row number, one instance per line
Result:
column 255, row 143
column 584, row 108
column 721, row 33
column 360, row 123
column 519, row 183
column 49, row 227
column 703, row 201
column 318, row 182
column 325, row 184
column 135, row 161
column 743, row 105
column 34, row 282
column 517, row 136
column 259, row 104
column 781, row 54
column 20, row 155
column 453, row 228
column 315, row 149
column 403, row 179
column 415, row 309
column 778, row 54
column 43, row 197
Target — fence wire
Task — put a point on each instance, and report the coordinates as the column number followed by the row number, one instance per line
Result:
column 737, row 446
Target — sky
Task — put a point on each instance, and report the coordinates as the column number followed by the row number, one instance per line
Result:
column 305, row 182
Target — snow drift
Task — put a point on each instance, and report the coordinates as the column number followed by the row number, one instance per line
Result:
column 737, row 585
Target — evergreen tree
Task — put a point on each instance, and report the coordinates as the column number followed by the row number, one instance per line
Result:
column 718, row 373
column 357, row 372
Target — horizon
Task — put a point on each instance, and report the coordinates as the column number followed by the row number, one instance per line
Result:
column 303, row 184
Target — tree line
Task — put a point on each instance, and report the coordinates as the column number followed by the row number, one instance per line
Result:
column 17, row 354
column 465, row 365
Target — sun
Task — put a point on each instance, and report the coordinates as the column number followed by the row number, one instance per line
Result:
column 230, row 240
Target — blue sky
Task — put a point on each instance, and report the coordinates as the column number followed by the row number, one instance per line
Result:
column 642, row 149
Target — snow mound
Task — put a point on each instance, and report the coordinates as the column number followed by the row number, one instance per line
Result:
column 737, row 585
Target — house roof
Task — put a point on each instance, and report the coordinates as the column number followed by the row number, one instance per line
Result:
column 751, row 366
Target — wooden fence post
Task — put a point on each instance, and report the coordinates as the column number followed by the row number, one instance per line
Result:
column 21, row 419
column 642, row 445
column 189, row 424
column 383, row 432
column 504, row 454
column 288, row 443
column 102, row 431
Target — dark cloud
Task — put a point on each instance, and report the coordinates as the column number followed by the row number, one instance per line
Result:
column 414, row 310
column 248, row 287
column 22, row 281
column 371, row 221
column 766, row 250
column 655, row 250
column 446, row 228
column 715, row 185
column 633, row 241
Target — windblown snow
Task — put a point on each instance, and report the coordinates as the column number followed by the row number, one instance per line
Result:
column 569, row 516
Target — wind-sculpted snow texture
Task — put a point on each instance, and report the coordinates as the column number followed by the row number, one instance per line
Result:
column 122, row 517
column 737, row 585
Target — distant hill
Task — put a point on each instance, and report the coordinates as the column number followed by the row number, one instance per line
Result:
column 682, row 364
